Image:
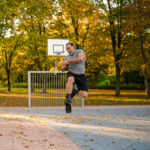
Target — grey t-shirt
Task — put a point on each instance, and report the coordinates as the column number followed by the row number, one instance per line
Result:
column 78, row 67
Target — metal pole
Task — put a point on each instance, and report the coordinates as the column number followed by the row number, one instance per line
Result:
column 29, row 89
column 56, row 61
column 82, row 102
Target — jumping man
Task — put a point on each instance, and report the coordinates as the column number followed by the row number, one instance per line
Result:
column 76, row 75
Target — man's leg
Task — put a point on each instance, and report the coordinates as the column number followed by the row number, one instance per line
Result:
column 83, row 94
column 69, row 87
column 74, row 90
column 81, row 81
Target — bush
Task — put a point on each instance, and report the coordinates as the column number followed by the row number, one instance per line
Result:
column 134, row 76
column 20, row 85
column 39, row 85
column 130, row 86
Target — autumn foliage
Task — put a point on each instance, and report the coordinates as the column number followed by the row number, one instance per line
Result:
column 114, row 35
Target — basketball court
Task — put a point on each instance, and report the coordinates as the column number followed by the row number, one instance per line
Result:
column 88, row 128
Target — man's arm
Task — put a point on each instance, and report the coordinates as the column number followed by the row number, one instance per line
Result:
column 63, row 67
column 80, row 57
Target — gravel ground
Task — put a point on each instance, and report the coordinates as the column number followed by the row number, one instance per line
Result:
column 92, row 128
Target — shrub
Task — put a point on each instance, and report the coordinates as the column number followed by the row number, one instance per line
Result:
column 130, row 86
column 20, row 85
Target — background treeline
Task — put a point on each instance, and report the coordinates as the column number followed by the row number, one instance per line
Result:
column 114, row 35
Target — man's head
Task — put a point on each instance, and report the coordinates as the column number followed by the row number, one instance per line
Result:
column 70, row 48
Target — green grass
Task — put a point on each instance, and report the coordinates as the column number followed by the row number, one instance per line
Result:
column 107, row 97
column 19, row 97
column 14, row 90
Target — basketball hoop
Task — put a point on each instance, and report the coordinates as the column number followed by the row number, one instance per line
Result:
column 57, row 47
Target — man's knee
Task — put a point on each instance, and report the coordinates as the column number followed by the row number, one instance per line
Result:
column 70, row 80
column 84, row 94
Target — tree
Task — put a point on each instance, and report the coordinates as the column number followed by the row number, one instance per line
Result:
column 35, row 17
column 8, row 51
column 139, row 25
column 9, row 37
column 73, row 20
column 98, row 49
column 115, row 19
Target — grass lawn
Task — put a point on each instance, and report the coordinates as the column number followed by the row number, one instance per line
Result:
column 19, row 97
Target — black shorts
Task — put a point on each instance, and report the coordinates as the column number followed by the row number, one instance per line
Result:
column 80, row 81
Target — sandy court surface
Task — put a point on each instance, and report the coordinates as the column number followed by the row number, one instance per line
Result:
column 88, row 128
column 18, row 135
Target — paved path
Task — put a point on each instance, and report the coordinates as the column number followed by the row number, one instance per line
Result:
column 91, row 128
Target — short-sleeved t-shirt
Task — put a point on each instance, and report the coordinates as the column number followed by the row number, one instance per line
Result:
column 78, row 67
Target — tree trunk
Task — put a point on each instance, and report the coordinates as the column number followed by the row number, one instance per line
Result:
column 145, row 66
column 117, row 79
column 76, row 37
column 44, row 83
column 8, row 80
column 146, row 84
column 117, row 67
column 37, row 60
column 126, row 77
column 116, row 56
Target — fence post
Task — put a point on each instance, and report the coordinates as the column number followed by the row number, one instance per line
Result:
column 82, row 102
column 29, row 89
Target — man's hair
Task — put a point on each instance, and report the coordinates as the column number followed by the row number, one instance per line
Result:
column 71, row 44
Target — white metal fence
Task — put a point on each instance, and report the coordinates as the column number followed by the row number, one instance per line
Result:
column 47, row 88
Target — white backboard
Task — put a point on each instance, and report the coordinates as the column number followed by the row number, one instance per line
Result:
column 57, row 47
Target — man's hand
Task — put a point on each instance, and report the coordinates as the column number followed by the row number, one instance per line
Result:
column 63, row 67
column 65, row 63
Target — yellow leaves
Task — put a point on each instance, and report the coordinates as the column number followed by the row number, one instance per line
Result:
column 146, row 68
column 84, row 145
column 67, row 117
column 143, row 67
column 21, row 53
column 52, row 69
column 65, row 132
column 113, row 142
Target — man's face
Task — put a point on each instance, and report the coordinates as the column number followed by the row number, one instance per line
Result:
column 70, row 49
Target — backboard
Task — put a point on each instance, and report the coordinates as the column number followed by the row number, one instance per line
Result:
column 57, row 47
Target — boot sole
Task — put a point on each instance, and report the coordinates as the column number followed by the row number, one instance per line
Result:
column 68, row 108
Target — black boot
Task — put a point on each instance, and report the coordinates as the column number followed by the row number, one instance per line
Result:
column 68, row 103
column 74, row 91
